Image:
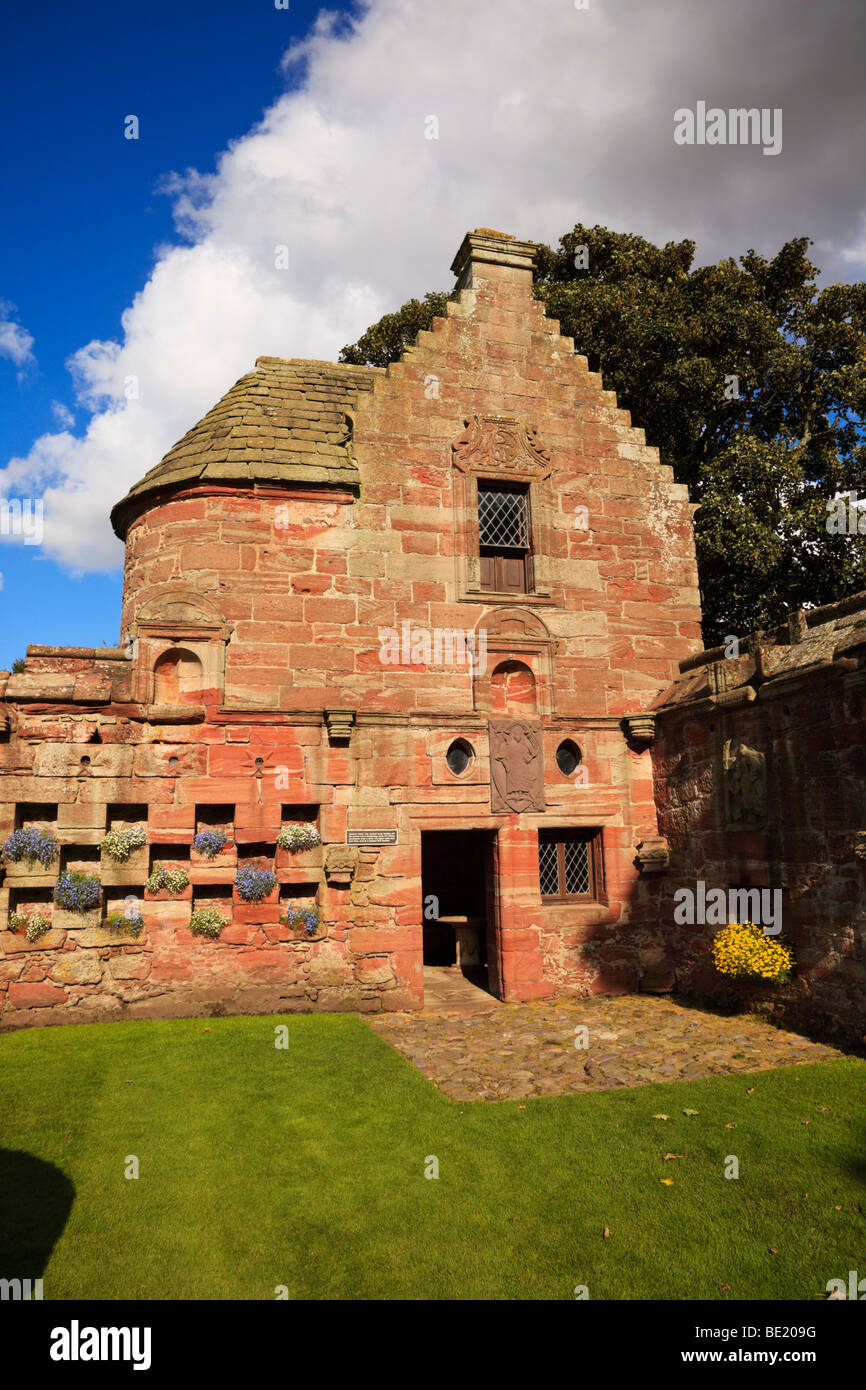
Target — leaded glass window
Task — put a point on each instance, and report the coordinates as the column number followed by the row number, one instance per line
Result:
column 502, row 518
column 570, row 864
column 504, row 537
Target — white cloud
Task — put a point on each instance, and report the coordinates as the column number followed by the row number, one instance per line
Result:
column 548, row 115
column 15, row 342
column 62, row 414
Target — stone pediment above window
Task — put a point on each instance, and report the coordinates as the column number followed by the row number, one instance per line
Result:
column 502, row 445
column 513, row 624
column 173, row 606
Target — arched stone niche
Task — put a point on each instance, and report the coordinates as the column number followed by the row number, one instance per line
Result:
column 178, row 642
column 512, row 689
column 516, row 676
column 177, row 677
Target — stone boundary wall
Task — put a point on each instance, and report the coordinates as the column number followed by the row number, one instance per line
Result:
column 797, row 826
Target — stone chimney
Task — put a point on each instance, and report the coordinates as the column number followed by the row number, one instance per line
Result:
column 495, row 256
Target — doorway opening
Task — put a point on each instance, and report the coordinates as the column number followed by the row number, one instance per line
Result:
column 458, row 887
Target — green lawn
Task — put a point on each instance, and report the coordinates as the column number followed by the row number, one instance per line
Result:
column 305, row 1168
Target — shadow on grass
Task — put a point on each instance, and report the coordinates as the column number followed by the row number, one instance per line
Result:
column 35, row 1201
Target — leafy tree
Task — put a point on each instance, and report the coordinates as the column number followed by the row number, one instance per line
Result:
column 18, row 665
column 751, row 381
column 385, row 341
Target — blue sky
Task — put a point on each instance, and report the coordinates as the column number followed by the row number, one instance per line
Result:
column 153, row 260
column 83, row 214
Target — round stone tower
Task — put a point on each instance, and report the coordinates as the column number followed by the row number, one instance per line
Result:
column 219, row 559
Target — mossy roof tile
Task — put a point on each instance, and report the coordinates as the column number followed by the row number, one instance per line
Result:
column 288, row 420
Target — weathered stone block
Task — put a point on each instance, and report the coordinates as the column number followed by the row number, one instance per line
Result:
column 89, row 816
column 129, row 966
column 12, row 943
column 35, row 995
column 77, row 968
column 375, row 972
column 62, row 920
column 71, row 760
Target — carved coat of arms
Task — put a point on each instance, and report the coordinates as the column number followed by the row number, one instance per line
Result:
column 516, row 766
column 500, row 443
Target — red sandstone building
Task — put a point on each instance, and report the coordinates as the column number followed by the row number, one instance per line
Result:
column 429, row 611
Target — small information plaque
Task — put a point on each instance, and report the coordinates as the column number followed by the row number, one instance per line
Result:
column 371, row 837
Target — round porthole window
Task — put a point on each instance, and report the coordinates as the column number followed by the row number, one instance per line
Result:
column 568, row 757
column 459, row 756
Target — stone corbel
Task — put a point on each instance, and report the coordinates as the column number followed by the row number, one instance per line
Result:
column 339, row 724
column 641, row 728
column 654, row 855
column 860, row 844
column 341, row 861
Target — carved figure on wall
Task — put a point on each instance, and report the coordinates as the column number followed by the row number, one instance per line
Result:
column 745, row 771
column 341, row 863
column 516, row 767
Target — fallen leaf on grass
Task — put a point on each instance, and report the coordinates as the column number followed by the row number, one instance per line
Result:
column 772, row 1249
column 661, row 1117
column 837, row 1208
column 691, row 1112
column 749, row 1090
column 804, row 1122
column 667, row 1156
column 725, row 1288
column 668, row 1182
column 606, row 1233
column 731, row 1126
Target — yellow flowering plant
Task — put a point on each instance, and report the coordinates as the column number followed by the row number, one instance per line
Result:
column 742, row 949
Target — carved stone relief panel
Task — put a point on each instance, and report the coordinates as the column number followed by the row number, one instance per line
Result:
column 745, row 776
column 501, row 443
column 516, row 766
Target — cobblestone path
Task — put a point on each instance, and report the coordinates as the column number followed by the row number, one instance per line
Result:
column 519, row 1050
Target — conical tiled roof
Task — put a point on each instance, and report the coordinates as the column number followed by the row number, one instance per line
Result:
column 287, row 421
